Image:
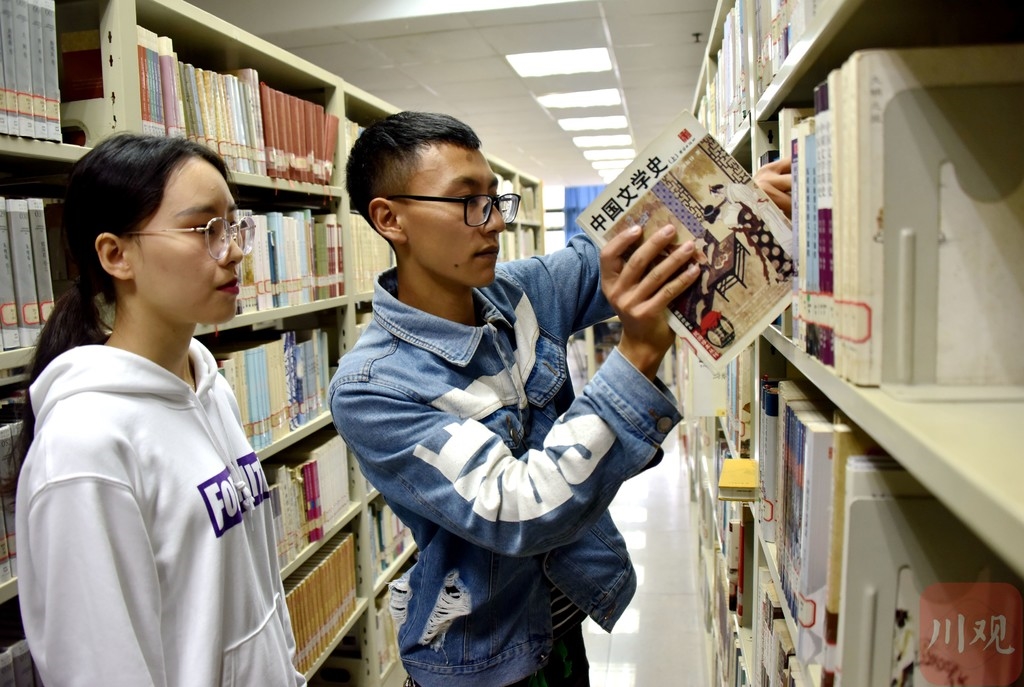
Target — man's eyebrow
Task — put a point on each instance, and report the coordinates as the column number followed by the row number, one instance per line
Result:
column 471, row 181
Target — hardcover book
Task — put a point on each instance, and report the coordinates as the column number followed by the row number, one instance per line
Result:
column 685, row 178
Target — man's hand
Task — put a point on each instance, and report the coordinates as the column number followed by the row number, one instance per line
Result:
column 776, row 179
column 641, row 287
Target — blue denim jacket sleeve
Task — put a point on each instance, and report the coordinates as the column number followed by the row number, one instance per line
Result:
column 430, row 423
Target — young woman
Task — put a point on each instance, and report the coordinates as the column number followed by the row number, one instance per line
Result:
column 146, row 552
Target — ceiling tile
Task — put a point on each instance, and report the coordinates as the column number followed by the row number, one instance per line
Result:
column 373, row 30
column 556, row 35
column 434, row 47
column 461, row 70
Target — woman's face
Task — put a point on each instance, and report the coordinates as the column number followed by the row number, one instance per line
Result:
column 177, row 284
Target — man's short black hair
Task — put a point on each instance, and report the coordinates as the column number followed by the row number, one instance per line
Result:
column 386, row 154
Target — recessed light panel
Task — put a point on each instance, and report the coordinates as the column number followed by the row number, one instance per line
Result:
column 593, row 123
column 603, row 141
column 610, row 154
column 599, row 98
column 552, row 62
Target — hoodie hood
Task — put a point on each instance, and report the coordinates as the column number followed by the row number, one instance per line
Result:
column 113, row 370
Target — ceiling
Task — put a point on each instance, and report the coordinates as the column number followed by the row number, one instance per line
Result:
column 449, row 57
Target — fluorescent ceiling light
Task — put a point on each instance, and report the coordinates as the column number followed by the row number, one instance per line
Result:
column 602, row 141
column 610, row 164
column 610, row 154
column 605, row 96
column 561, row 62
column 593, row 123
column 609, row 174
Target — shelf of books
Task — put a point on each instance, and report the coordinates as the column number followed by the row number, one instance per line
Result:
column 882, row 408
column 284, row 126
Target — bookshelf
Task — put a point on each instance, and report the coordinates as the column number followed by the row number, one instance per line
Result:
column 959, row 444
column 38, row 168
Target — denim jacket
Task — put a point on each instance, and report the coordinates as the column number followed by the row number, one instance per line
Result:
column 474, row 438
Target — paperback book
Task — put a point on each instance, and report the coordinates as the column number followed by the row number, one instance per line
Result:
column 744, row 241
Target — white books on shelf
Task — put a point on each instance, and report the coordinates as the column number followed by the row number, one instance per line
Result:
column 932, row 227
column 809, row 585
column 917, row 589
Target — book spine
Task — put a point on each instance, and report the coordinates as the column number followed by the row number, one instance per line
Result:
column 23, row 67
column 40, row 259
column 823, row 152
column 51, row 87
column 38, row 65
column 9, row 93
column 168, row 79
column 8, row 305
column 20, row 236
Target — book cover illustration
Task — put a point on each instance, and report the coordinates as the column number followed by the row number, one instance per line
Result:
column 744, row 242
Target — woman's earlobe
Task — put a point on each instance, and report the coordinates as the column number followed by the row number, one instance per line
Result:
column 114, row 259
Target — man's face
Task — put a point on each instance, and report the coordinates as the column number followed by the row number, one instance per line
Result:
column 442, row 254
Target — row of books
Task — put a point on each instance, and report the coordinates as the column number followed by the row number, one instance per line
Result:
column 280, row 380
column 851, row 524
column 26, row 286
column 309, row 490
column 387, row 636
column 725, row 598
column 796, row 476
column 255, row 128
column 29, row 91
column 729, row 95
column 778, row 25
column 389, row 537
column 371, row 255
column 776, row 665
column 321, row 597
column 738, row 429
column 297, row 257
column 903, row 225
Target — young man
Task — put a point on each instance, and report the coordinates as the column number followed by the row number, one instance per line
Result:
column 457, row 403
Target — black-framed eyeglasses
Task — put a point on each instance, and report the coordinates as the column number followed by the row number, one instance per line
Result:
column 477, row 208
column 219, row 233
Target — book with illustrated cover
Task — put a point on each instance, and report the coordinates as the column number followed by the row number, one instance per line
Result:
column 744, row 242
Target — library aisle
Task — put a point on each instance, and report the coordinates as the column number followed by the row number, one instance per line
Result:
column 660, row 640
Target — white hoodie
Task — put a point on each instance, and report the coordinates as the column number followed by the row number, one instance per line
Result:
column 137, row 563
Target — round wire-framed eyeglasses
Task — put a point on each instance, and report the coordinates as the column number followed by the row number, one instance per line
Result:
column 219, row 233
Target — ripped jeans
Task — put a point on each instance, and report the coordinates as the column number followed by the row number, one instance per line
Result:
column 567, row 667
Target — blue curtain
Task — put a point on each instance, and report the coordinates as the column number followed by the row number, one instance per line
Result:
column 577, row 198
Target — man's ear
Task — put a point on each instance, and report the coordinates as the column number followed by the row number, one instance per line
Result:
column 113, row 257
column 386, row 221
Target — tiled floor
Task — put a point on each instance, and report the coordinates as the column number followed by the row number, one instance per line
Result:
column 659, row 641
